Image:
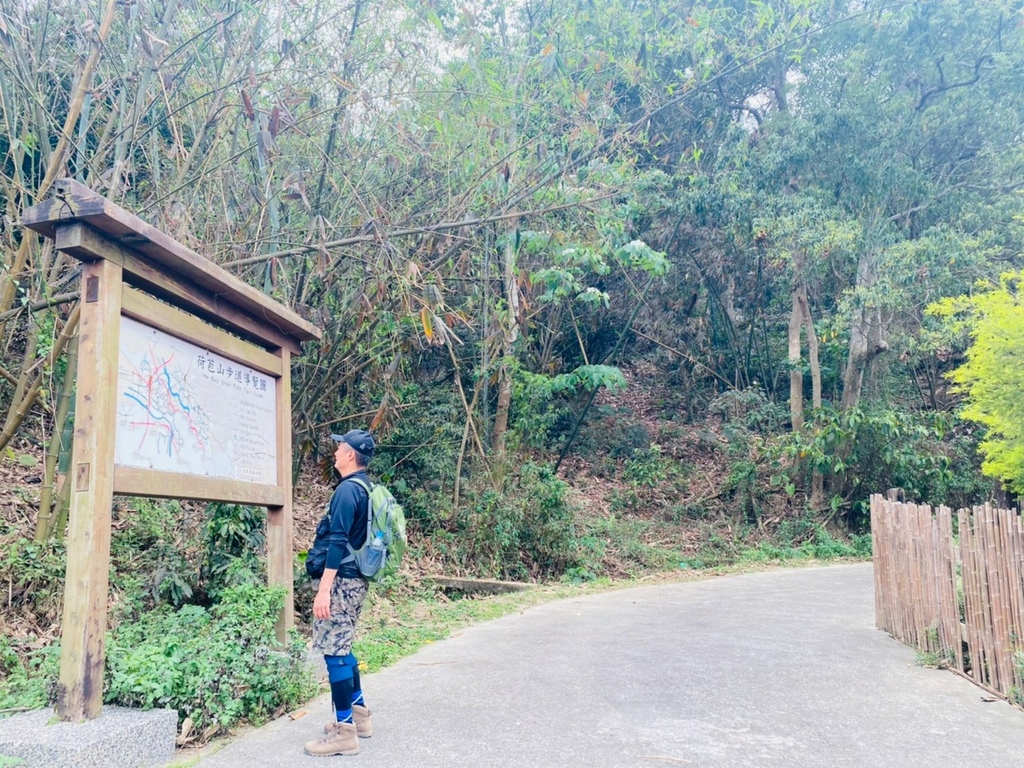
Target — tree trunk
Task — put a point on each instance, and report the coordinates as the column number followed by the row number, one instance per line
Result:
column 501, row 410
column 510, row 332
column 817, row 497
column 800, row 318
column 796, row 375
column 866, row 337
column 780, row 86
column 812, row 347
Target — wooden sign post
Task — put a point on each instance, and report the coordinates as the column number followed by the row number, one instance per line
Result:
column 183, row 391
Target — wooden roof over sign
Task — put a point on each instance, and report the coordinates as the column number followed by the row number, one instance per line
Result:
column 73, row 202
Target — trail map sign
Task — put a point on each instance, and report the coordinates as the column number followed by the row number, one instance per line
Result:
column 182, row 408
column 183, row 390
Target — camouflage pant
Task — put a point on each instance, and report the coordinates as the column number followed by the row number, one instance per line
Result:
column 334, row 636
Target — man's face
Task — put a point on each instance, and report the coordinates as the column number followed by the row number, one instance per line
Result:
column 342, row 457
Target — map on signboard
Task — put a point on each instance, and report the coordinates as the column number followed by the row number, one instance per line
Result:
column 183, row 409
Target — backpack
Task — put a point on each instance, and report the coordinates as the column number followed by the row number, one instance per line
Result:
column 385, row 537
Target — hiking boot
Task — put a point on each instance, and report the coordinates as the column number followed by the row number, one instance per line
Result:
column 340, row 739
column 361, row 717
column 364, row 725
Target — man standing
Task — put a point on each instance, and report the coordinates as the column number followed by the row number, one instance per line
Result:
column 339, row 599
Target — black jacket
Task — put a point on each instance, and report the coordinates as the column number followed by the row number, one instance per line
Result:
column 349, row 507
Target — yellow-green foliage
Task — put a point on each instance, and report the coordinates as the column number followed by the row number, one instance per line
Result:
column 993, row 376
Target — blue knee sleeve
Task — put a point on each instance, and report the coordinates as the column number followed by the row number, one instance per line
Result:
column 352, row 665
column 337, row 668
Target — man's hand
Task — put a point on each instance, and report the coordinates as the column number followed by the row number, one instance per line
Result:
column 322, row 604
column 322, row 601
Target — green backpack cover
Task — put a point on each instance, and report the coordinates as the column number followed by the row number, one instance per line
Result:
column 385, row 543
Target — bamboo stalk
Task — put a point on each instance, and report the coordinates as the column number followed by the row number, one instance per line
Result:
column 997, row 567
column 62, row 507
column 45, row 518
column 1009, row 526
column 877, row 566
column 985, row 601
column 952, row 635
column 998, row 596
column 970, row 593
column 25, row 377
column 1017, row 587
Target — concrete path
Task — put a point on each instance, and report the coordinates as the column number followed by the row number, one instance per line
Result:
column 770, row 669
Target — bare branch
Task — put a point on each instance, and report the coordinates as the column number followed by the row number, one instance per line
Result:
column 441, row 227
column 942, row 87
column 36, row 306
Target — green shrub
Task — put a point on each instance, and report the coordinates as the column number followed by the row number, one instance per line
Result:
column 418, row 460
column 874, row 447
column 749, row 410
column 27, row 674
column 625, row 502
column 235, row 541
column 805, row 539
column 431, row 509
column 646, row 469
column 33, row 575
column 614, row 432
column 541, row 404
column 214, row 664
column 746, row 487
column 578, row 575
column 218, row 665
column 523, row 529
column 539, row 412
column 148, row 552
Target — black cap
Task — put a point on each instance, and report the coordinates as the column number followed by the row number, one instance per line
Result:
column 359, row 440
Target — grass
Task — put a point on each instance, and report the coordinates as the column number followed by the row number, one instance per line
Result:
column 932, row 660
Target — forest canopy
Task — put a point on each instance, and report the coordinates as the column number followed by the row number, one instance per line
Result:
column 504, row 202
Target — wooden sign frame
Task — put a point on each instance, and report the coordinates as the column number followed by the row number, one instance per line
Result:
column 132, row 269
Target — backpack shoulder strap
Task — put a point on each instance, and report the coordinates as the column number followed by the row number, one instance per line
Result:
column 364, row 486
column 369, row 519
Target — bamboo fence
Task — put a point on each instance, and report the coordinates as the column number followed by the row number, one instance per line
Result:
column 952, row 586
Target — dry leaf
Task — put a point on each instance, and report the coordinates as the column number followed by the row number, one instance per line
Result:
column 428, row 324
column 186, row 729
column 247, row 105
column 294, row 187
column 298, row 715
